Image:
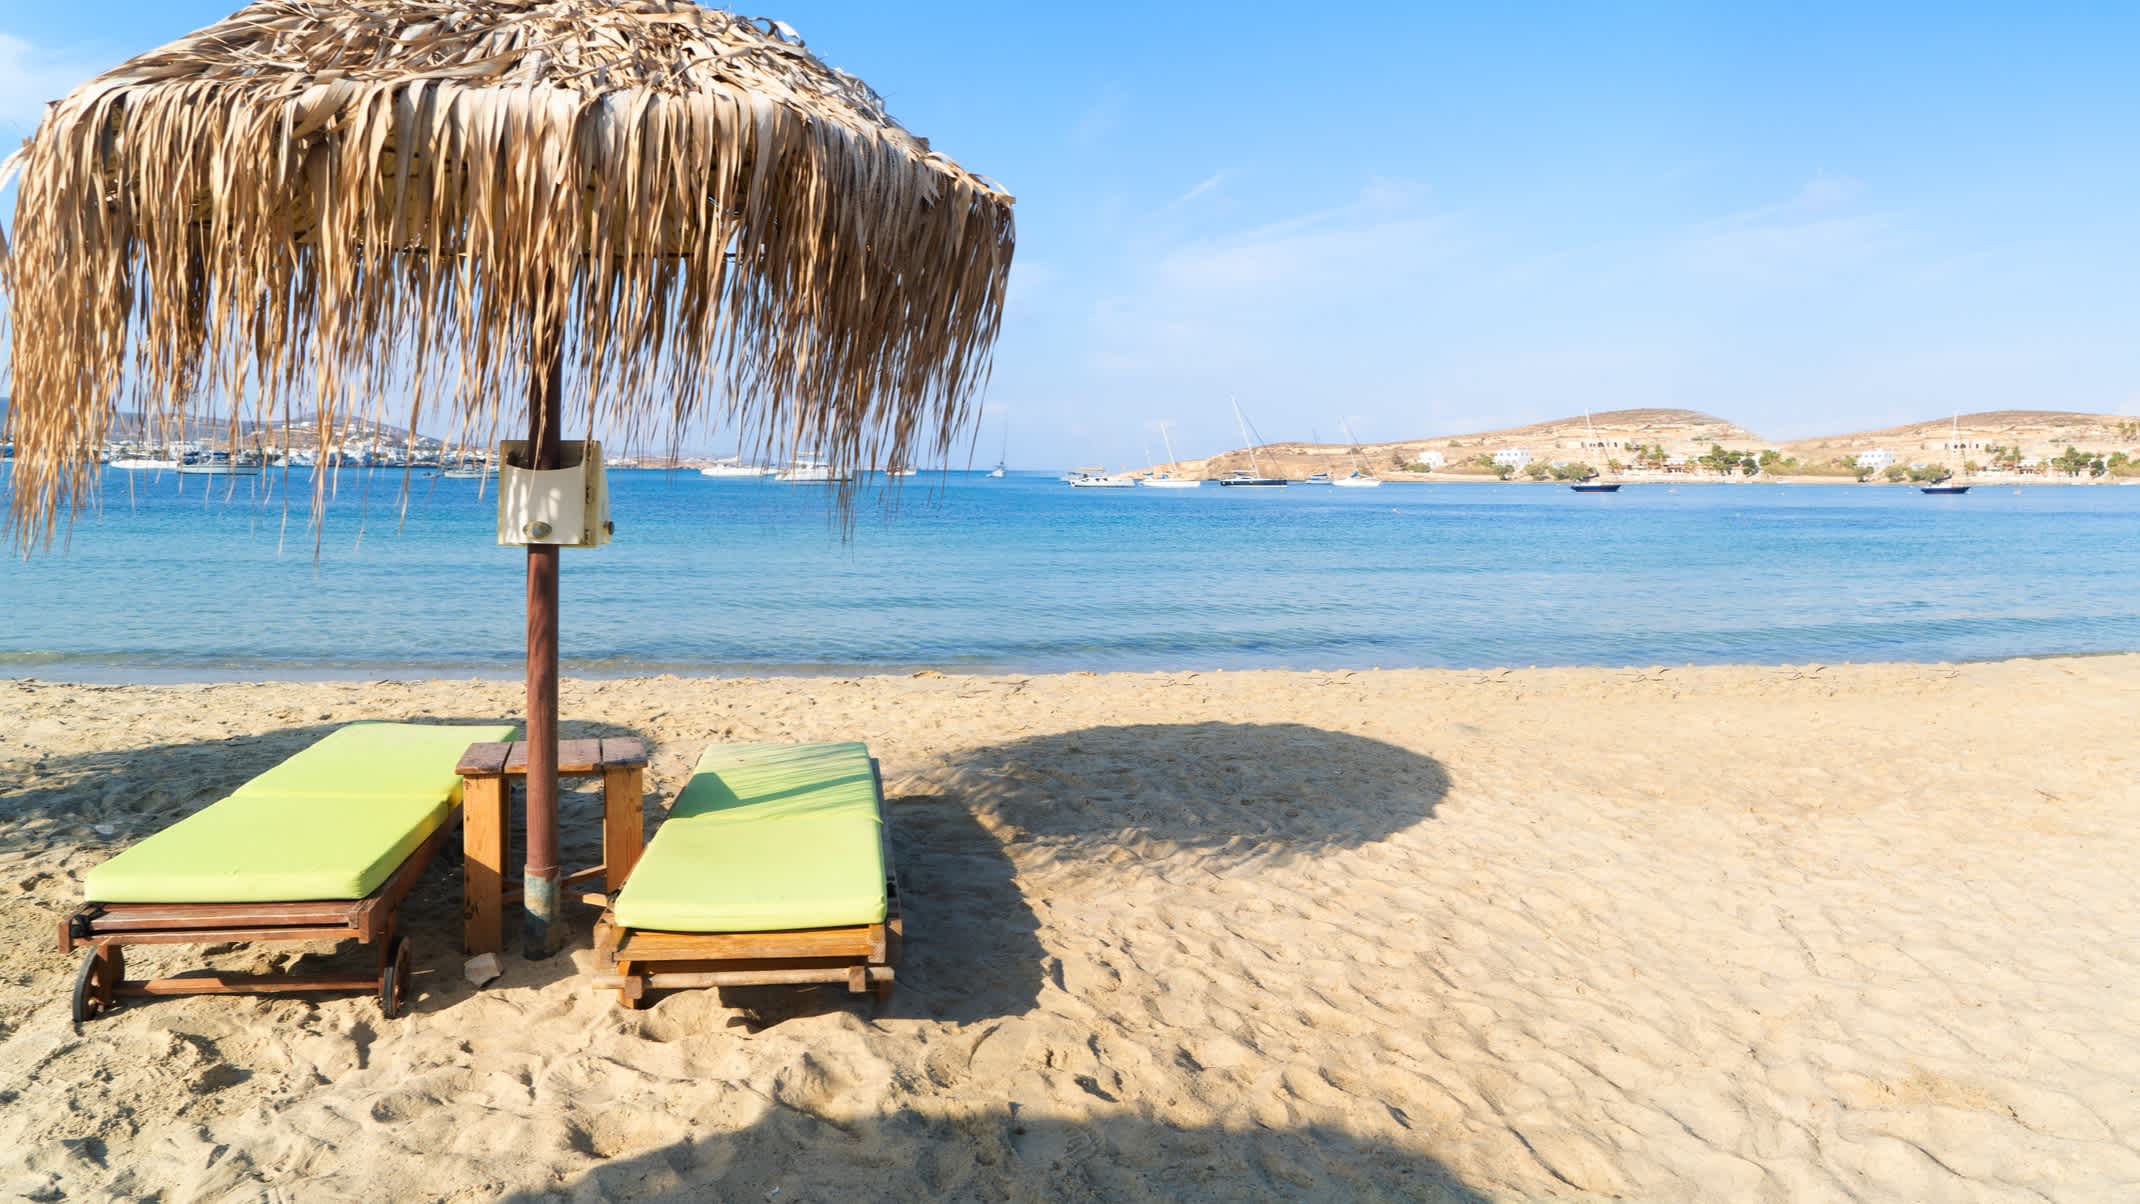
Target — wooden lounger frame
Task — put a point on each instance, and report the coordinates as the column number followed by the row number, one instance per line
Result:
column 634, row 961
column 105, row 928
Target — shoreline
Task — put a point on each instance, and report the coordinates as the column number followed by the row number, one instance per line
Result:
column 1997, row 483
column 129, row 677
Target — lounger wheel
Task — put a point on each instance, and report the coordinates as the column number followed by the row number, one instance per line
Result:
column 394, row 979
column 97, row 984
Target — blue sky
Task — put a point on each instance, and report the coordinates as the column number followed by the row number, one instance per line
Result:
column 1429, row 219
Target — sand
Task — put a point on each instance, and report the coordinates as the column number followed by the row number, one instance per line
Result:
column 1691, row 934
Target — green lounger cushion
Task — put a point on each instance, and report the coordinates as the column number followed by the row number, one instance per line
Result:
column 383, row 759
column 765, row 838
column 263, row 846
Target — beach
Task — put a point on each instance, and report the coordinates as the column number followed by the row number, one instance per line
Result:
column 1781, row 932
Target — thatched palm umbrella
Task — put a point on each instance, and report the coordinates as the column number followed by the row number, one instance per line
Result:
column 634, row 214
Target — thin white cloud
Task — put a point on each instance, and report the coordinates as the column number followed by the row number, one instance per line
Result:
column 1100, row 118
column 1222, row 301
column 1825, row 191
column 1209, row 182
column 1815, row 232
column 1371, row 238
column 30, row 78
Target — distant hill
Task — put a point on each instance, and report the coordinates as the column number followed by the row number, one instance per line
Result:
column 1571, row 438
column 2038, row 433
column 301, row 432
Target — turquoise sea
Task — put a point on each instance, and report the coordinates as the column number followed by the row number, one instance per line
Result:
column 196, row 578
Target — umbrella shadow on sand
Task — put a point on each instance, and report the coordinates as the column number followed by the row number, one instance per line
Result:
column 1000, row 1155
column 1228, row 796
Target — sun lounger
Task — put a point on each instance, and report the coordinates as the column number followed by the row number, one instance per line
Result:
column 322, row 847
column 774, row 866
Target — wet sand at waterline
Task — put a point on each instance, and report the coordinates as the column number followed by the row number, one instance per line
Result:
column 1691, row 934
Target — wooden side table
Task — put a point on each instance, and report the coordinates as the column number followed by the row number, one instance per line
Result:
column 486, row 773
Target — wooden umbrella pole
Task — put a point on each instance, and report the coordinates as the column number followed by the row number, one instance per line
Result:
column 543, row 933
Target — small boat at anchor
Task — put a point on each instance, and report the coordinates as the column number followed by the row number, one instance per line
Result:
column 808, row 471
column 1594, row 484
column 733, row 467
column 1946, row 486
column 1256, row 478
column 217, row 464
column 1167, row 479
column 1360, row 478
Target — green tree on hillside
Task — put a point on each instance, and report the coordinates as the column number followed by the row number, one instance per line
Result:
column 2073, row 462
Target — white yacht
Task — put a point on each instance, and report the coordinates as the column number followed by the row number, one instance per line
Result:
column 217, row 464
column 808, row 472
column 1114, row 480
column 733, row 466
column 144, row 463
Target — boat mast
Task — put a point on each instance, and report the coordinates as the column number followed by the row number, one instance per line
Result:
column 1173, row 465
column 1241, row 421
column 1354, row 441
column 1594, row 444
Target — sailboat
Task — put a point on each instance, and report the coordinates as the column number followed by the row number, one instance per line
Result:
column 1945, row 485
column 1594, row 484
column 1359, row 478
column 1167, row 479
column 1254, row 479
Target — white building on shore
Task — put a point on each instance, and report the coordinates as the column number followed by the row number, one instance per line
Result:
column 1512, row 457
column 1879, row 459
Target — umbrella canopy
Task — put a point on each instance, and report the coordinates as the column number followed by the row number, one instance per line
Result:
column 634, row 214
column 313, row 204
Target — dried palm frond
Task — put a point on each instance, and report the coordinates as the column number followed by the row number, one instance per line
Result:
column 316, row 204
